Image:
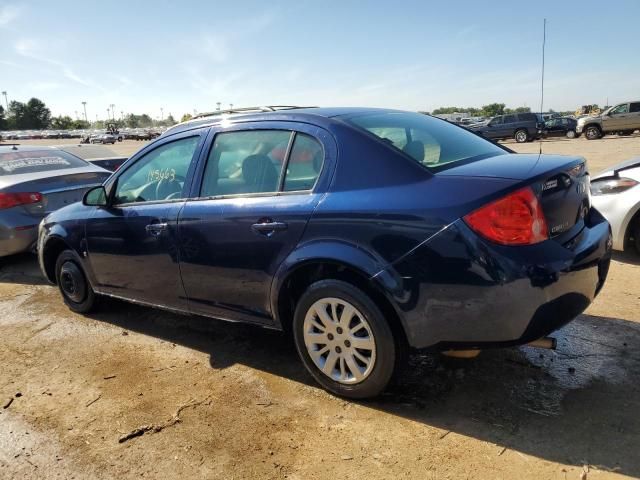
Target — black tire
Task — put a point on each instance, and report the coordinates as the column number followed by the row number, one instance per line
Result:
column 592, row 132
column 636, row 236
column 386, row 352
column 521, row 135
column 72, row 282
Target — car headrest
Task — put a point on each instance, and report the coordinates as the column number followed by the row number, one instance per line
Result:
column 415, row 149
column 259, row 172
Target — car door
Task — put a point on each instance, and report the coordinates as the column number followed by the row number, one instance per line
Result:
column 494, row 127
column 256, row 190
column 132, row 243
column 509, row 126
column 554, row 128
column 617, row 119
column 634, row 116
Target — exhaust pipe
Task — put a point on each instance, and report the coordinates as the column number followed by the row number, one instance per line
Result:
column 545, row 342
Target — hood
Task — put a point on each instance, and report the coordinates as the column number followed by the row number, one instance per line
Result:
column 515, row 166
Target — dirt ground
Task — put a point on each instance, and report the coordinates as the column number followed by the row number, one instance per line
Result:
column 218, row 400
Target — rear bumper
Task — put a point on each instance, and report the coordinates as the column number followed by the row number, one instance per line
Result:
column 18, row 240
column 460, row 291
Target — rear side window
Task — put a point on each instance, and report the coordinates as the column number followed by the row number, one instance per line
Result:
column 304, row 165
column 434, row 143
column 17, row 162
column 509, row 119
column 527, row 117
column 245, row 162
column 635, row 107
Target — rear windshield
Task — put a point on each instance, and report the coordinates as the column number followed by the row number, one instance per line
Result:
column 17, row 162
column 433, row 143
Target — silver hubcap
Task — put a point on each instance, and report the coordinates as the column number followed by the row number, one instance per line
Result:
column 339, row 340
column 592, row 133
column 521, row 136
column 571, row 134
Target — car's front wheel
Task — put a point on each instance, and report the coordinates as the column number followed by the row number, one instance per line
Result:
column 521, row 136
column 571, row 134
column 73, row 284
column 592, row 133
column 344, row 340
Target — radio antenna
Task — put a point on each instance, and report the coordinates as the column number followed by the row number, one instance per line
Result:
column 544, row 41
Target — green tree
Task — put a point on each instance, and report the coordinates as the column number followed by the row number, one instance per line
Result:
column 493, row 109
column 38, row 113
column 17, row 116
column 62, row 123
column 3, row 120
column 186, row 117
column 170, row 121
column 81, row 124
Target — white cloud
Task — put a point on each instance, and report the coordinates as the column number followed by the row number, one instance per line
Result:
column 8, row 13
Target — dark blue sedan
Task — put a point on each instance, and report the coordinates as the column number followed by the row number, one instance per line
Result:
column 364, row 232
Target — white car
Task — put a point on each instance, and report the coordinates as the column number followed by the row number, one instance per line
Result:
column 616, row 194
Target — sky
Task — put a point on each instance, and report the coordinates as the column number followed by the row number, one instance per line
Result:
column 181, row 57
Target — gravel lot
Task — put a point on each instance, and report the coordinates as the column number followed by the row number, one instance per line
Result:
column 217, row 400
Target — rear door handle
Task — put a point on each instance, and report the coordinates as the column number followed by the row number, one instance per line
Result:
column 268, row 227
column 156, row 229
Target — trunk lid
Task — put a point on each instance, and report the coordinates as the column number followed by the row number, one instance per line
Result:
column 59, row 191
column 561, row 183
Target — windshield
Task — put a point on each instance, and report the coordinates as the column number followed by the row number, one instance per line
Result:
column 434, row 143
column 17, row 162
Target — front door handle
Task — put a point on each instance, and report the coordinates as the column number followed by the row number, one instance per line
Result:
column 156, row 229
column 268, row 227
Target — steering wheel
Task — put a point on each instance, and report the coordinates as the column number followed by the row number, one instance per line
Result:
column 167, row 187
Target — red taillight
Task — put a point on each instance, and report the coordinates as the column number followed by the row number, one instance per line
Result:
column 8, row 200
column 516, row 219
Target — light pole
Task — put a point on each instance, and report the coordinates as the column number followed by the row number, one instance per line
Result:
column 121, row 115
column 161, row 114
column 231, row 106
column 113, row 112
column 218, row 104
column 108, row 115
column 84, row 104
column 77, row 115
column 5, row 99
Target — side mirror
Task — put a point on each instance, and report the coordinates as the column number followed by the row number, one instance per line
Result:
column 96, row 197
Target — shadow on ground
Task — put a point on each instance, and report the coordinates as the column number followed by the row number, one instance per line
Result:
column 629, row 256
column 577, row 405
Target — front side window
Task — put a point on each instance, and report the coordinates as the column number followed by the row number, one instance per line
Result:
column 510, row 119
column 496, row 121
column 620, row 109
column 245, row 162
column 159, row 175
column 433, row 143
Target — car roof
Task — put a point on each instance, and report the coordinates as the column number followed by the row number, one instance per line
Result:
column 308, row 115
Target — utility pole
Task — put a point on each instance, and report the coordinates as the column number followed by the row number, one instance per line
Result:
column 84, row 104
column 5, row 99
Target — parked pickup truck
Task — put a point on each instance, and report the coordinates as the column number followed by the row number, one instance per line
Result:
column 622, row 119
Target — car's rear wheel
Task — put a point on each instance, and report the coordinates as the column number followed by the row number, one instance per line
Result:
column 592, row 132
column 344, row 340
column 571, row 134
column 75, row 289
column 521, row 136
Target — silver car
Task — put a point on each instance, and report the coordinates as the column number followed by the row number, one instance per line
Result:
column 616, row 194
column 35, row 181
